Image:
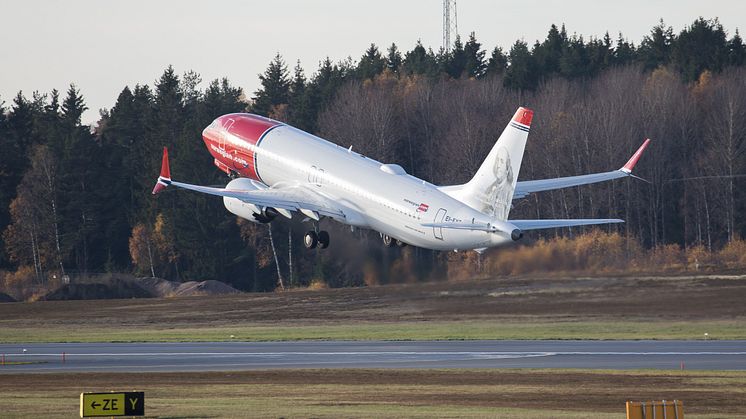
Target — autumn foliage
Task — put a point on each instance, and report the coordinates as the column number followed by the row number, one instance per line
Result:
column 598, row 252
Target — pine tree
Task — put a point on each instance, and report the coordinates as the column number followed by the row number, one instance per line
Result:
column 16, row 137
column 165, row 127
column 371, row 63
column 475, row 65
column 73, row 107
column 736, row 51
column 455, row 61
column 79, row 211
column 393, row 59
column 221, row 98
column 548, row 54
column 521, row 73
column 574, row 62
column 275, row 87
column 655, row 49
column 498, row 62
column 137, row 129
column 601, row 53
column 624, row 53
column 118, row 135
column 701, row 46
column 299, row 102
column 323, row 86
column 420, row 61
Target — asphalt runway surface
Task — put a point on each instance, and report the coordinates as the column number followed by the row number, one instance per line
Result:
column 234, row 356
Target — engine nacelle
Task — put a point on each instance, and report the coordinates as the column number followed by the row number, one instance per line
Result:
column 507, row 229
column 246, row 210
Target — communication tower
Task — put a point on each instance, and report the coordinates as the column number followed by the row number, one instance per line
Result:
column 450, row 23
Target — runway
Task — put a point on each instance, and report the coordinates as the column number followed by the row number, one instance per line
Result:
column 234, row 356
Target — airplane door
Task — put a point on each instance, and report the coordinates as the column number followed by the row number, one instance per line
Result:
column 227, row 124
column 438, row 231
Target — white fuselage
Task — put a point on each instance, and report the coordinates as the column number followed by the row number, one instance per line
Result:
column 376, row 196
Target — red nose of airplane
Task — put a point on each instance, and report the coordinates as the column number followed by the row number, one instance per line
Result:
column 232, row 140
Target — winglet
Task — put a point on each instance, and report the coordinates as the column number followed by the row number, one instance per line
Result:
column 165, row 178
column 627, row 168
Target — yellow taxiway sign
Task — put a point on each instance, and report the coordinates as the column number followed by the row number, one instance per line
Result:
column 131, row 403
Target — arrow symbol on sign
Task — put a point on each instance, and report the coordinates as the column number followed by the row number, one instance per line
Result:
column 94, row 404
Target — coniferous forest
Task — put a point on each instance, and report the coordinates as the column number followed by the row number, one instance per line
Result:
column 75, row 199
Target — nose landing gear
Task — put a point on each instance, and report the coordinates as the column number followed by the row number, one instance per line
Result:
column 312, row 239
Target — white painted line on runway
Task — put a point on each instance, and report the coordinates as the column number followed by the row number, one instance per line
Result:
column 367, row 353
column 284, row 353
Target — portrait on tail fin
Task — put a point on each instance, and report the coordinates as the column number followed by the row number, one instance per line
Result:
column 500, row 193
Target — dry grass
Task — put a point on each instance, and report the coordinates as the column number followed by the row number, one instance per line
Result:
column 384, row 393
column 519, row 308
column 605, row 253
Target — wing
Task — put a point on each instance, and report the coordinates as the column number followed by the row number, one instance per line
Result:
column 291, row 198
column 539, row 224
column 522, row 189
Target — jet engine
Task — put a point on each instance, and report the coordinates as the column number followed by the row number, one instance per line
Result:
column 244, row 209
column 507, row 229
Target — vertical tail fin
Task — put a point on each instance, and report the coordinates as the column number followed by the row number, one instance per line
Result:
column 491, row 189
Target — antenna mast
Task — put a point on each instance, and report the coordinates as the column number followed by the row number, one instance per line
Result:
column 450, row 23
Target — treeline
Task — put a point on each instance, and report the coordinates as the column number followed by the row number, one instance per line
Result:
column 75, row 199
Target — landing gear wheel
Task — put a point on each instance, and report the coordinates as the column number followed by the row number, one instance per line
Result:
column 310, row 239
column 323, row 239
column 400, row 243
column 387, row 240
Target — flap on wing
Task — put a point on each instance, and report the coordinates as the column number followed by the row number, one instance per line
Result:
column 539, row 224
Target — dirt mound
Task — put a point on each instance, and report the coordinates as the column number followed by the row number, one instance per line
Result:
column 97, row 291
column 158, row 287
column 163, row 288
column 5, row 298
column 204, row 288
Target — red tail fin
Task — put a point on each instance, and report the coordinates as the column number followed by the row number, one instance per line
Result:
column 523, row 116
column 165, row 178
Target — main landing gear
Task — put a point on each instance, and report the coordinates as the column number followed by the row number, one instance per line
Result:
column 312, row 239
column 389, row 241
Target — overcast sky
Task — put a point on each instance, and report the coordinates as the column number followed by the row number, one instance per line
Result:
column 101, row 46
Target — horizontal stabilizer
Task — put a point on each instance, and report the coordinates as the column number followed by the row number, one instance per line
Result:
column 539, row 224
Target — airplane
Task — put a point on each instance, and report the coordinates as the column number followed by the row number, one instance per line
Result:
column 278, row 170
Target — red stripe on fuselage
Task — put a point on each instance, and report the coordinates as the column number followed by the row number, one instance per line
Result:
column 232, row 139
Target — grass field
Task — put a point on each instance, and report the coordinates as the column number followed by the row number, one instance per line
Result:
column 385, row 393
column 438, row 330
column 515, row 308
